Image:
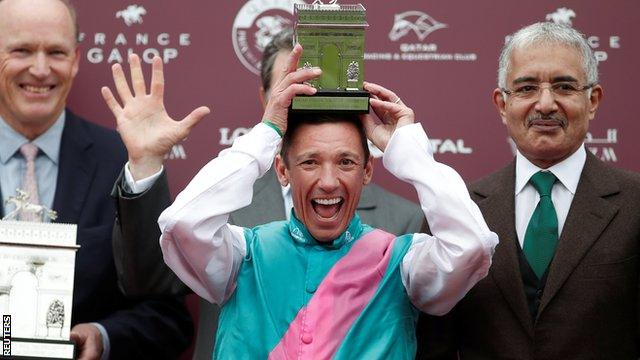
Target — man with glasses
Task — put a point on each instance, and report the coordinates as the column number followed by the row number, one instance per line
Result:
column 565, row 279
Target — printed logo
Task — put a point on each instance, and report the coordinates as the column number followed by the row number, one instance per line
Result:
column 254, row 26
column 177, row 152
column 603, row 147
column 132, row 14
column 562, row 16
column 438, row 146
column 420, row 23
column 413, row 27
column 115, row 46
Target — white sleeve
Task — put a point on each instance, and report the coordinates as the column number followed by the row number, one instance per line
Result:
column 197, row 243
column 439, row 270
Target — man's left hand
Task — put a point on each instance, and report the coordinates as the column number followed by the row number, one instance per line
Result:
column 391, row 111
column 89, row 341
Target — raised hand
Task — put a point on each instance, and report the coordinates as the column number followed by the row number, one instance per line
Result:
column 291, row 83
column 142, row 121
column 391, row 112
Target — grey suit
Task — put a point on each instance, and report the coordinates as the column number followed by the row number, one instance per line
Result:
column 139, row 260
column 589, row 306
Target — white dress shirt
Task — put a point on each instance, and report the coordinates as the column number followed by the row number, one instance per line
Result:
column 568, row 173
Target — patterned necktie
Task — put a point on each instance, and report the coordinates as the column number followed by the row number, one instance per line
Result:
column 29, row 182
column 542, row 232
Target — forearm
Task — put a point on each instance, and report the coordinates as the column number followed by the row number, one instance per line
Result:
column 137, row 254
column 197, row 243
column 438, row 270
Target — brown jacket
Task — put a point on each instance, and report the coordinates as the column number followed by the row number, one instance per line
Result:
column 589, row 308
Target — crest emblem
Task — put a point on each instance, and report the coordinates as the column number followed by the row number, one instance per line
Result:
column 255, row 25
column 417, row 21
column 562, row 16
column 132, row 14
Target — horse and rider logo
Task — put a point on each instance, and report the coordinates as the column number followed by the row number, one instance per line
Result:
column 562, row 16
column 132, row 14
column 414, row 21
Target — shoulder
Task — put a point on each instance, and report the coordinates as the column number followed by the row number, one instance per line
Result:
column 105, row 141
column 494, row 181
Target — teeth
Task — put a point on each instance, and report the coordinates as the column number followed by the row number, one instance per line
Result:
column 37, row 89
column 327, row 201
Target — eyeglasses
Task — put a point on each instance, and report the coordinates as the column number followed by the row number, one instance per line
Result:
column 559, row 89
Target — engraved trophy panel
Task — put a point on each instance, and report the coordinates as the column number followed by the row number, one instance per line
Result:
column 332, row 38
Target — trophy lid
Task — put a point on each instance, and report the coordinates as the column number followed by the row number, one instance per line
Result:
column 333, row 15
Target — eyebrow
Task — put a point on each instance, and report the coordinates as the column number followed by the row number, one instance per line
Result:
column 315, row 154
column 530, row 79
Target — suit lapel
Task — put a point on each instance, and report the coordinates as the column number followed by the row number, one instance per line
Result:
column 75, row 171
column 497, row 203
column 588, row 216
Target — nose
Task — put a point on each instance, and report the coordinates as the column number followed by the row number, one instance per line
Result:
column 328, row 181
column 40, row 67
column 546, row 103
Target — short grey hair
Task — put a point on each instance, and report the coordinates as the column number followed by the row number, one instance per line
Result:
column 280, row 41
column 548, row 33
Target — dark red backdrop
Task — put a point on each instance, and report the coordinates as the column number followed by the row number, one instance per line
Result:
column 444, row 67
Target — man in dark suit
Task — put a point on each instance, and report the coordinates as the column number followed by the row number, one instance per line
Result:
column 137, row 253
column 75, row 163
column 564, row 283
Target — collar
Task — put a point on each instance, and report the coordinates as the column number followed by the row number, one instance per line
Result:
column 300, row 234
column 567, row 171
column 48, row 142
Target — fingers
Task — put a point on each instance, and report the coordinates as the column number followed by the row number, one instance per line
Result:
column 300, row 76
column 295, row 89
column 293, row 59
column 381, row 93
column 137, row 79
column 121, row 84
column 111, row 101
column 157, row 78
column 384, row 107
column 192, row 119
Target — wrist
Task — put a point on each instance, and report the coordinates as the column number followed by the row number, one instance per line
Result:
column 144, row 167
column 275, row 127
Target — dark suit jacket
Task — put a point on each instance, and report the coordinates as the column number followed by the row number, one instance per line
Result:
column 90, row 159
column 142, row 271
column 589, row 308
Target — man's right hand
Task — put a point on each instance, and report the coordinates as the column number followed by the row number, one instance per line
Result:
column 291, row 83
column 142, row 121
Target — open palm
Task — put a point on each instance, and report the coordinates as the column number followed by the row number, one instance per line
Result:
column 146, row 129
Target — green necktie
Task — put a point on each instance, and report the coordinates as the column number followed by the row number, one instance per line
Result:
column 542, row 232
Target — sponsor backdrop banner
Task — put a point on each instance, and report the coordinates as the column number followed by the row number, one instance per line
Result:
column 440, row 57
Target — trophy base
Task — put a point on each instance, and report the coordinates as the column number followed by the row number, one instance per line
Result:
column 22, row 348
column 333, row 101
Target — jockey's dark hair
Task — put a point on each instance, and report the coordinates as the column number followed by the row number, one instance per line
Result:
column 298, row 119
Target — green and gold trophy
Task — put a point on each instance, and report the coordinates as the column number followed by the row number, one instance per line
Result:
column 332, row 38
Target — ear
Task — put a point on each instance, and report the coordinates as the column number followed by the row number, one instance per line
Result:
column 281, row 171
column 262, row 94
column 368, row 171
column 76, row 63
column 594, row 100
column 500, row 102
